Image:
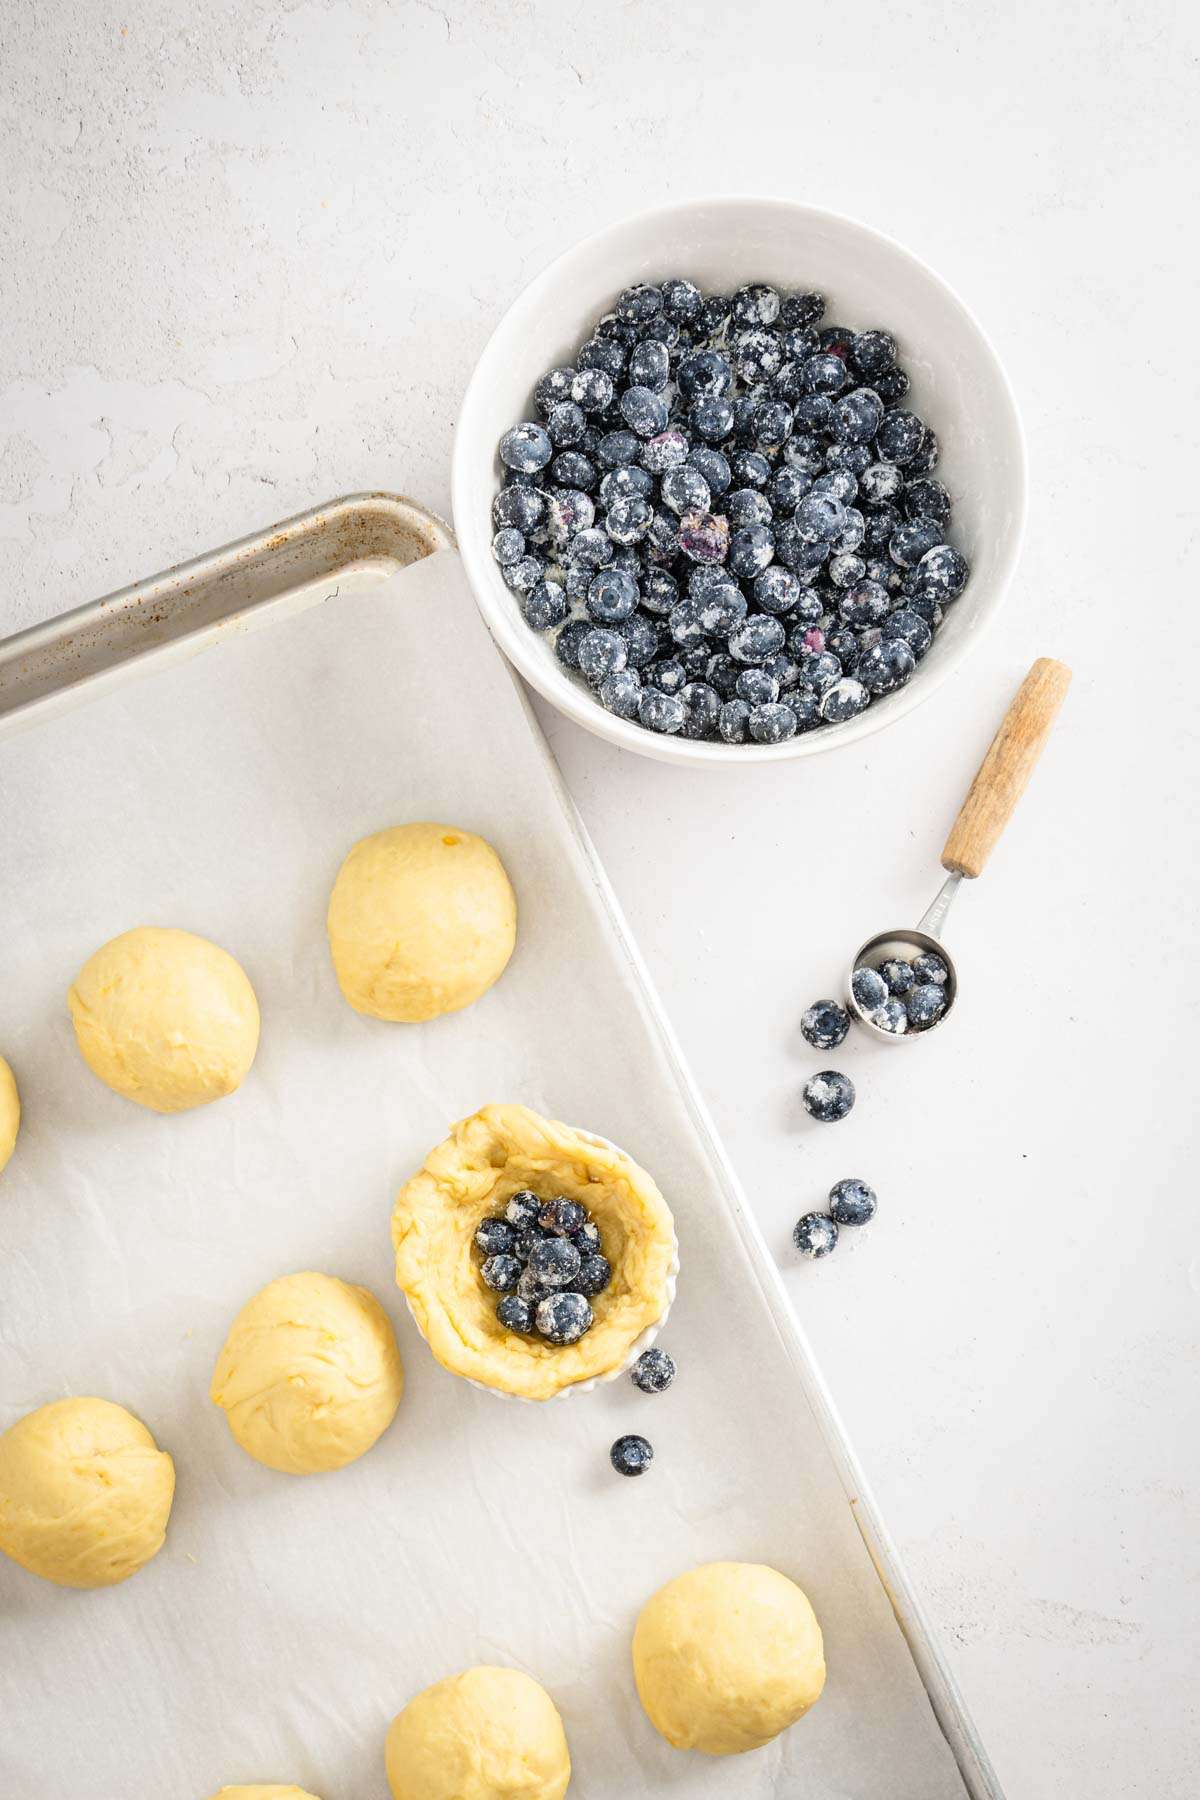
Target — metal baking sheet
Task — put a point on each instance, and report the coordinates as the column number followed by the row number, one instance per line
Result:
column 287, row 1620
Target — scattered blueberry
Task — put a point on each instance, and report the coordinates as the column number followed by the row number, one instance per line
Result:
column 653, row 1372
column 852, row 1202
column 631, row 1455
column 828, row 1096
column 825, row 1024
column 815, row 1234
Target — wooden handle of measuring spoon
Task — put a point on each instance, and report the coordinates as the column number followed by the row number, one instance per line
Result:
column 1004, row 772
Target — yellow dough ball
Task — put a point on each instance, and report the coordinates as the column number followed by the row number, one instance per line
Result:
column 422, row 920
column 310, row 1374
column 85, row 1493
column 489, row 1734
column 257, row 1791
column 10, row 1112
column 727, row 1656
column 165, row 1018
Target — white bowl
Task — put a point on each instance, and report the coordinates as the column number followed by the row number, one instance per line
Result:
column 958, row 387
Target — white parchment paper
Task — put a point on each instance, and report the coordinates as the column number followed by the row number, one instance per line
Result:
column 286, row 1619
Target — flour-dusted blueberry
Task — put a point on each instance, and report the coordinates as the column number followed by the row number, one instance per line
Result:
column 612, row 596
column 846, row 570
column 909, row 625
column 495, row 1237
column 545, row 606
column 843, row 643
column 620, row 693
column 942, row 573
column 801, row 309
column 786, row 489
column 751, row 550
column 701, row 708
column 756, row 639
column 836, row 340
column 522, row 1208
column 643, row 639
column 771, row 423
column 898, row 974
column 773, row 723
column 868, row 987
column 638, row 304
column 554, row 1262
column 562, row 1216
column 734, row 722
column 911, row 540
column 886, row 666
column 685, row 490
column 930, row 967
column 566, row 644
column 601, row 652
column 928, row 453
column 508, row 545
column 823, row 374
column 813, row 413
column 899, row 436
column 568, row 512
column 526, row 448
column 682, row 299
column 820, row 669
column 819, row 517
column 711, row 417
column 815, row 1235
column 722, row 673
column 852, row 1202
column 530, row 1289
column 704, row 374
column 844, row 700
column 501, row 1273
column 926, row 499
column 858, row 415
column 891, row 1016
column 591, row 549
column 667, row 449
column 667, row 675
column 628, row 481
column 866, row 603
column 757, row 355
column 653, row 1372
column 523, row 575
column 747, row 506
column 828, row 1096
column 516, row 1315
column 595, row 1273
column 849, row 539
column 563, row 1318
column 552, row 388
column 758, row 687
column 704, row 537
column 649, row 365
column 631, row 1455
column 572, row 469
column 713, row 466
column 836, row 484
column 616, row 449
column 926, row 1002
column 659, row 711
column 824, row 1024
column 891, row 386
column 628, row 521
column 776, row 589
column 660, row 591
column 644, row 411
column 587, row 1237
column 756, row 304
column 871, row 352
column 881, row 484
column 566, row 425
column 520, row 508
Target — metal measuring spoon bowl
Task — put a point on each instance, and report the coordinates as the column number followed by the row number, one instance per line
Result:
column 998, row 785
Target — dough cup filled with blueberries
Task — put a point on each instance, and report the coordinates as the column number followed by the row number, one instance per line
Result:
column 535, row 1258
column 736, row 480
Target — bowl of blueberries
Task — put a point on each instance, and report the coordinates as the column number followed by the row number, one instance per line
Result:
column 738, row 479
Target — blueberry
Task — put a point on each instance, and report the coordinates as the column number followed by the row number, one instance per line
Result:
column 522, row 1208
column 704, row 537
column 909, row 625
column 871, row 352
column 644, row 411
column 843, row 643
column 545, row 606
column 701, row 707
column 750, row 550
column 554, row 1262
column 642, row 639
column 638, row 304
column 926, row 499
column 757, row 355
column 562, row 1216
column 705, row 374
column 926, row 1002
column 925, row 458
column 898, row 974
column 801, row 309
column 668, row 675
column 660, row 591
column 943, row 573
column 523, row 575
column 734, row 721
column 566, row 425
column 815, row 1235
column 620, row 693
column 628, row 481
column 852, row 1202
column 857, row 416
column 819, row 518
column 501, row 1273
column 659, row 711
column 627, row 521
column 685, row 490
column 552, row 388
column 772, row 724
column 866, row 603
column 868, row 987
column 772, row 424
column 776, row 589
column 886, row 666
column 595, row 1273
column 828, row 1096
column 563, row 1318
column 566, row 644
column 835, row 340
column 572, row 469
column 601, row 652
column 786, row 489
column 844, row 700
column 891, row 1017
column 899, row 436
column 667, row 449
column 495, row 1237
column 526, row 448
column 823, row 374
column 880, row 484
column 653, row 1372
column 605, row 354
column 612, row 596
column 758, row 687
column 682, row 300
column 911, row 540
column 631, row 1455
column 747, row 506
column 722, row 673
column 892, row 386
column 568, row 512
column 749, row 468
column 695, row 659
column 515, row 1314
column 849, row 538
column 756, row 304
column 928, row 967
column 711, row 417
column 518, row 507
column 591, row 549
column 820, row 670
column 825, row 1024
column 846, row 570
column 756, row 639
column 616, row 448
column 814, row 413
column 713, row 466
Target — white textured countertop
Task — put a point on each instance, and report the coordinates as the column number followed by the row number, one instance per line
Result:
column 250, row 254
